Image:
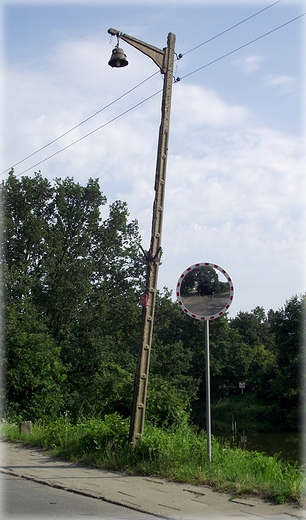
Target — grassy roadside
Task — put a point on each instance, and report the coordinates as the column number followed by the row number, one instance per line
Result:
column 176, row 455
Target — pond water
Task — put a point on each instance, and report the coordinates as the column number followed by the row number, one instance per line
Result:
column 288, row 446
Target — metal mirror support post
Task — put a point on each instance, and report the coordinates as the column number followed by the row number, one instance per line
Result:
column 164, row 59
column 207, row 386
column 203, row 296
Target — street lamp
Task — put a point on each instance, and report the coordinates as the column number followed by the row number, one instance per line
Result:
column 164, row 59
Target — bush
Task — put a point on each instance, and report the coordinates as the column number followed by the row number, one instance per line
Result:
column 100, row 434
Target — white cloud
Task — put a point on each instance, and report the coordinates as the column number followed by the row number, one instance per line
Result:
column 198, row 107
column 235, row 191
column 281, row 82
column 250, row 64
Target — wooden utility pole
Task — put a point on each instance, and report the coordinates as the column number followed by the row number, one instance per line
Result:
column 165, row 61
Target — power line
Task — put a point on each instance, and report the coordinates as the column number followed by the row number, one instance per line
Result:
column 107, row 106
column 90, row 133
column 143, row 101
column 241, row 47
column 81, row 123
column 230, row 28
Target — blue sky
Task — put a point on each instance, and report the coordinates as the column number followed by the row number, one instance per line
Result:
column 235, row 191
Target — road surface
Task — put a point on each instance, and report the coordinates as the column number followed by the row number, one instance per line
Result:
column 25, row 499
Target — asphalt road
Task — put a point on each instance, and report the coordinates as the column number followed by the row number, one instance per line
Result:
column 25, row 499
column 205, row 305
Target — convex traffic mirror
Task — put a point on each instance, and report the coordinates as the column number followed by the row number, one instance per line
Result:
column 205, row 291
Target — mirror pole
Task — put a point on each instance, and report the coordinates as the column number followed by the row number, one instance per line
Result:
column 207, row 384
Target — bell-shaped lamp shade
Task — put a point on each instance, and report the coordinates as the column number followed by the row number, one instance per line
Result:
column 118, row 58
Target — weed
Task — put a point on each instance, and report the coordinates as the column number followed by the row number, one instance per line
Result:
column 179, row 455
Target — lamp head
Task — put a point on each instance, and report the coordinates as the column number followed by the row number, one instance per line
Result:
column 118, row 58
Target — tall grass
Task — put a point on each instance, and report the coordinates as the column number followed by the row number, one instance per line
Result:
column 176, row 455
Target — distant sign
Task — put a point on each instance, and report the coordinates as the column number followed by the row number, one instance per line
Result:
column 205, row 291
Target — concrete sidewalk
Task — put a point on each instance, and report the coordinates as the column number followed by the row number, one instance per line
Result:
column 150, row 495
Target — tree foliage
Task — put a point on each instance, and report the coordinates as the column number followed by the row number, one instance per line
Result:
column 75, row 277
column 72, row 286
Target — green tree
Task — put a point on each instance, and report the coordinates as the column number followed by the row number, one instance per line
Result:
column 254, row 328
column 34, row 370
column 288, row 325
column 204, row 279
column 255, row 331
column 172, row 386
column 81, row 276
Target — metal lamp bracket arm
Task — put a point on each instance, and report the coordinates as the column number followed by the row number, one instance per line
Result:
column 156, row 54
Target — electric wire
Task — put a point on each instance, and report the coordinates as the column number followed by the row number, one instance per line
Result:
column 241, row 47
column 81, row 123
column 99, row 111
column 230, row 28
column 146, row 99
column 90, row 133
